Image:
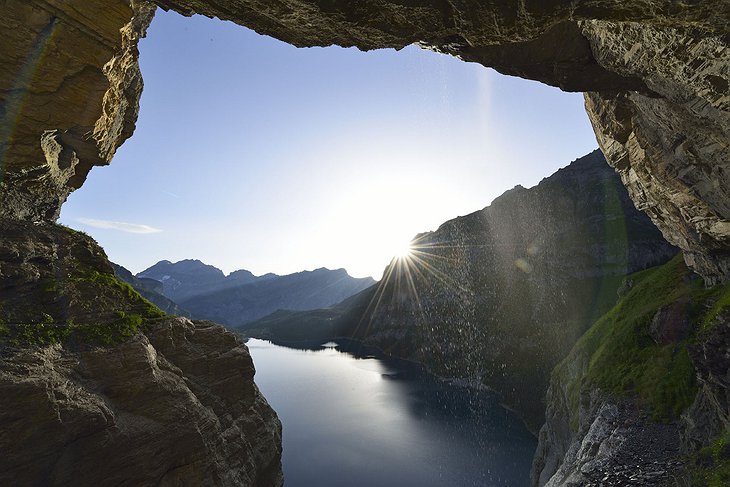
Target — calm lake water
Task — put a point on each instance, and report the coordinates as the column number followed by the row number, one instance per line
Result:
column 377, row 422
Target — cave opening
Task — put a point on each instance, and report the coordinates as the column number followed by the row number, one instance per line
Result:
column 78, row 345
column 315, row 157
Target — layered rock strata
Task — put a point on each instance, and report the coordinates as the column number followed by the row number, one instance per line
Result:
column 98, row 387
column 69, row 96
column 174, row 406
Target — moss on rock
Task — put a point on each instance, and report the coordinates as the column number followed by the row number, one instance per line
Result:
column 622, row 355
column 61, row 289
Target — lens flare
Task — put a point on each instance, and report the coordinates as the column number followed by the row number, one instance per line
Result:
column 405, row 250
column 422, row 263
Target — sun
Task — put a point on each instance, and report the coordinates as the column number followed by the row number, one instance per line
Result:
column 404, row 250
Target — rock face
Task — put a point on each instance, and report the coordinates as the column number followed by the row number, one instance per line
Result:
column 69, row 96
column 97, row 386
column 655, row 72
column 500, row 296
column 176, row 406
column 624, row 408
column 670, row 146
column 618, row 446
column 710, row 411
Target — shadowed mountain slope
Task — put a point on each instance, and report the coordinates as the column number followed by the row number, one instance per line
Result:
column 499, row 296
column 149, row 289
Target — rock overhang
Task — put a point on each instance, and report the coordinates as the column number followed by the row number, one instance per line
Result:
column 655, row 74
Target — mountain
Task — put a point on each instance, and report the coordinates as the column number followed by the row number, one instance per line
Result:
column 187, row 278
column 241, row 297
column 499, row 296
column 316, row 325
column 149, row 289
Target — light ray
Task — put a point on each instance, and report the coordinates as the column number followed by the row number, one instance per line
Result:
column 404, row 278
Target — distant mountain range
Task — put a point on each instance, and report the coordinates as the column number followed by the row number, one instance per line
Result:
column 499, row 296
column 207, row 293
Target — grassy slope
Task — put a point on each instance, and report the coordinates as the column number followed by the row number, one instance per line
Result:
column 106, row 329
column 713, row 464
column 621, row 358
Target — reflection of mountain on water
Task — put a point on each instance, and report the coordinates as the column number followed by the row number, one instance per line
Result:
column 434, row 396
column 370, row 420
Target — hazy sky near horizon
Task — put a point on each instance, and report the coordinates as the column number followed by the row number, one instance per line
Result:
column 252, row 154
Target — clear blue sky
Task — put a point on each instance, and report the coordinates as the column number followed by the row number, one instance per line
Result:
column 252, row 154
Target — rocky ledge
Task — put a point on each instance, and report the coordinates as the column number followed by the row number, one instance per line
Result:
column 174, row 406
column 99, row 387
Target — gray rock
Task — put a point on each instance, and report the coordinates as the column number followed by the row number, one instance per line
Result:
column 670, row 324
column 613, row 444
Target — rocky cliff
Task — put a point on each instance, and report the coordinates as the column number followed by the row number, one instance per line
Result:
column 69, row 89
column 499, row 296
column 642, row 396
column 98, row 386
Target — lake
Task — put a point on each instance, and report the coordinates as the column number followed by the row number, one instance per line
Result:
column 367, row 421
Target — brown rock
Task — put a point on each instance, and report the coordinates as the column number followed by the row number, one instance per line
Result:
column 175, row 407
column 69, row 95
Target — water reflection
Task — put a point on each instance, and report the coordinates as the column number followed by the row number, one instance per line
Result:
column 357, row 420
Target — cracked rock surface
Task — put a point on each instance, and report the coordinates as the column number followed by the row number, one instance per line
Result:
column 176, row 406
column 172, row 402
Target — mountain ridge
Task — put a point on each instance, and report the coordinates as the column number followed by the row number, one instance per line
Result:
column 149, row 289
column 241, row 296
